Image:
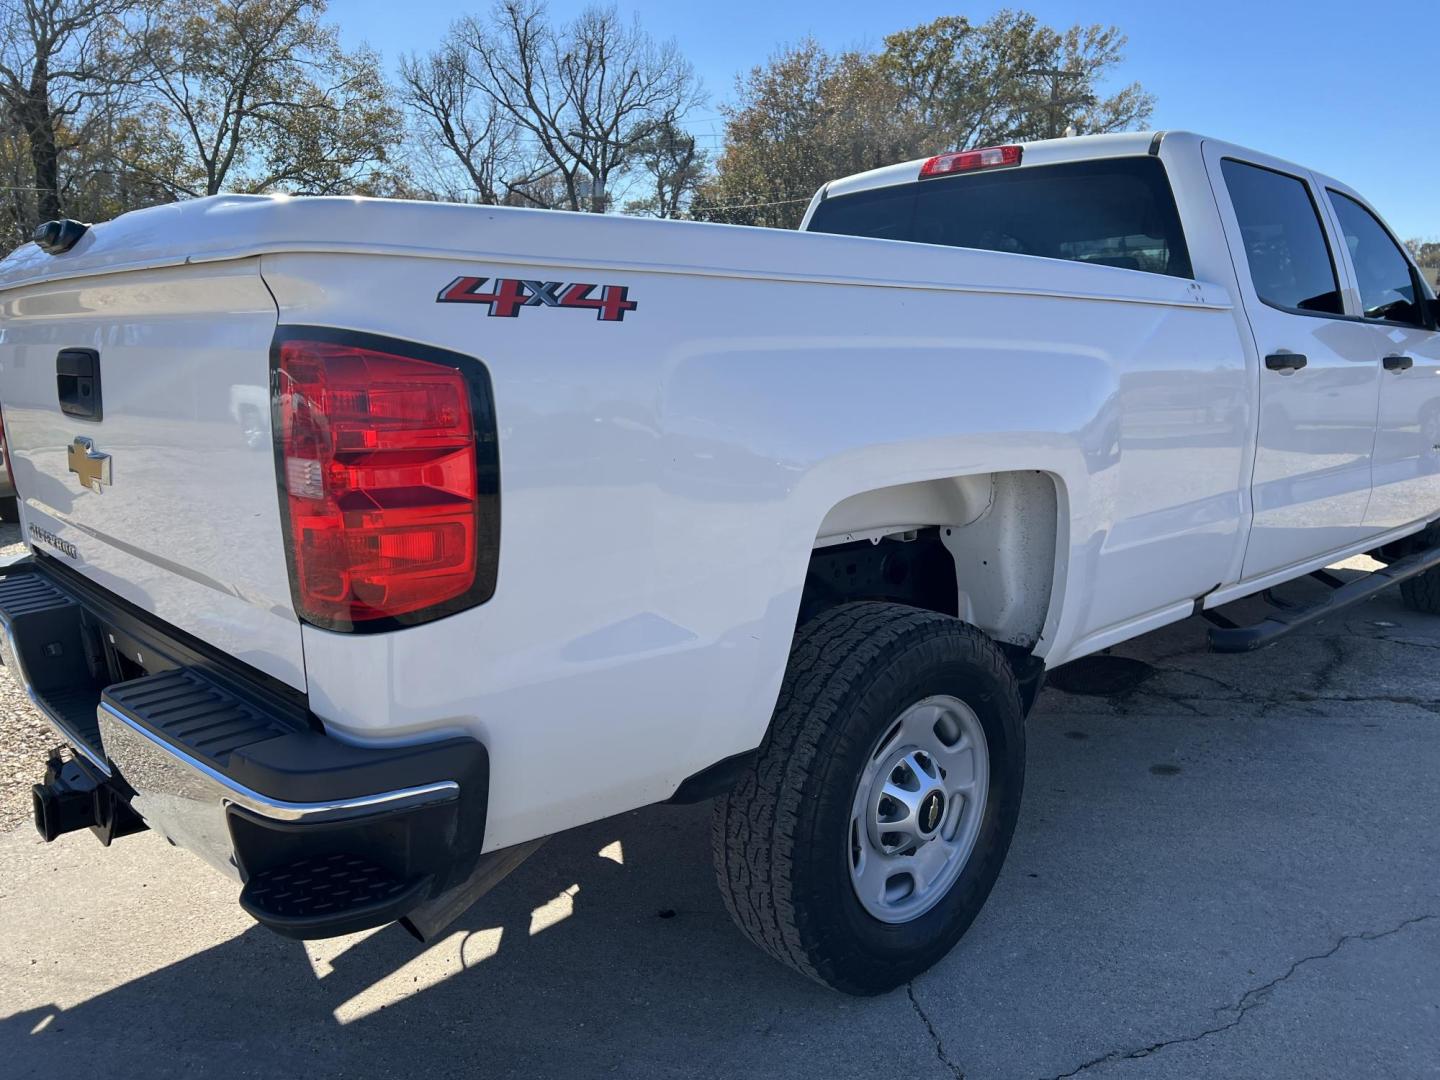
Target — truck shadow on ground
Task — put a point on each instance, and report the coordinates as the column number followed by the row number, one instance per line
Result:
column 1183, row 831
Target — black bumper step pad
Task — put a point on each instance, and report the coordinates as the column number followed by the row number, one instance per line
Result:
column 328, row 895
column 188, row 709
column 45, row 649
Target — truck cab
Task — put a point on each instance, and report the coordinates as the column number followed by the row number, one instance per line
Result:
column 1320, row 284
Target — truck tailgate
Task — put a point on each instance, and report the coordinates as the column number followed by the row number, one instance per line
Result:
column 166, row 493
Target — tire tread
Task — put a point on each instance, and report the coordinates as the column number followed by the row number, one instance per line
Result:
column 1422, row 593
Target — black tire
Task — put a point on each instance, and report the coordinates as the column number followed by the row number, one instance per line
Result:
column 1422, row 593
column 9, row 508
column 780, row 839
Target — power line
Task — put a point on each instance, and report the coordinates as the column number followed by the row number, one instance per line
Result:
column 753, row 206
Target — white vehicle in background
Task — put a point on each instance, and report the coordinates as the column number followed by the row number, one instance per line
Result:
column 560, row 515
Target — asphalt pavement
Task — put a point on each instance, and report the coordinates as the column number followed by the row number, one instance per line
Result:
column 1226, row 866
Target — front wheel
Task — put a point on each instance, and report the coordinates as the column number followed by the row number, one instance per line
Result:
column 869, row 831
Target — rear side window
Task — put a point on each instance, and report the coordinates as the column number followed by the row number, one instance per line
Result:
column 1285, row 243
column 1387, row 284
column 1112, row 212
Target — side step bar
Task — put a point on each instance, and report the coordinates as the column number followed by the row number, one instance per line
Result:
column 1226, row 637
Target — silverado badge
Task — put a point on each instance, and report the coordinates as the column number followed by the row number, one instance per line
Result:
column 91, row 466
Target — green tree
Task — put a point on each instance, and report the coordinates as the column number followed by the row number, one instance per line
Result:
column 1011, row 78
column 1425, row 252
column 962, row 79
column 806, row 116
column 802, row 118
column 1059, row 89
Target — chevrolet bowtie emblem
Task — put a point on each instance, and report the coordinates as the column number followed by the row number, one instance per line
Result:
column 91, row 466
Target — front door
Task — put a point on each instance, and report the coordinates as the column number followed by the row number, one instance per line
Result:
column 1319, row 382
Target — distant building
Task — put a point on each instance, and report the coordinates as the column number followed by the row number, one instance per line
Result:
column 1432, row 274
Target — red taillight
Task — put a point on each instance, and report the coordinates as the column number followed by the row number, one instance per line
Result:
column 987, row 157
column 386, row 479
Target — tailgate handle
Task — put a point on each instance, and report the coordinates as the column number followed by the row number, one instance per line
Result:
column 77, row 382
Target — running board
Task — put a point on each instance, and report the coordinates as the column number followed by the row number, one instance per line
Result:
column 1225, row 636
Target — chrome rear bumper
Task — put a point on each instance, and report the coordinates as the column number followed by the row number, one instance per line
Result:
column 188, row 801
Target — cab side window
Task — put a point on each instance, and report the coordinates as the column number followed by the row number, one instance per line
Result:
column 1383, row 273
column 1285, row 243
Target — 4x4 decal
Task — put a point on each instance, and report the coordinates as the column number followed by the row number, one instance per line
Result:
column 507, row 296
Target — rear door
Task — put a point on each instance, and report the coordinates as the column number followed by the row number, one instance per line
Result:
column 1388, row 298
column 1319, row 376
column 137, row 415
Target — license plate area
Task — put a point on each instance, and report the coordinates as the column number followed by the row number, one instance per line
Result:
column 123, row 656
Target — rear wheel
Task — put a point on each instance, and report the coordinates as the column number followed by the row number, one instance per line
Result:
column 1422, row 593
column 868, row 833
column 9, row 508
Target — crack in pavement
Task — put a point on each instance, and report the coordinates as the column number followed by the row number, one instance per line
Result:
column 1250, row 999
column 1213, row 680
column 955, row 1070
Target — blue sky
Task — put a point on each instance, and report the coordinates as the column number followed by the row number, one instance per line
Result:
column 1337, row 86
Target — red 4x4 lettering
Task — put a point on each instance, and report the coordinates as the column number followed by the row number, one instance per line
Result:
column 506, row 296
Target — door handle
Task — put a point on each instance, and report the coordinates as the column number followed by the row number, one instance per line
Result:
column 1398, row 364
column 77, row 383
column 1286, row 363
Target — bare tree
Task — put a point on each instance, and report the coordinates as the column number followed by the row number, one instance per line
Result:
column 583, row 98
column 260, row 95
column 470, row 127
column 57, row 68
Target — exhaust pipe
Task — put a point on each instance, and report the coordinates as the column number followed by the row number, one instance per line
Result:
column 70, row 799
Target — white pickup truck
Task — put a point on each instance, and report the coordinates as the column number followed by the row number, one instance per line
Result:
column 373, row 542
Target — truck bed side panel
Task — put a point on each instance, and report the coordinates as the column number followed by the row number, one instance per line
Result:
column 663, row 478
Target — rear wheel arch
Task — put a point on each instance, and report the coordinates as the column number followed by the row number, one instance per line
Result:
column 987, row 547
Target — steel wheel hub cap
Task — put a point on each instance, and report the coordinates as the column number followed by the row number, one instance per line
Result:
column 917, row 808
